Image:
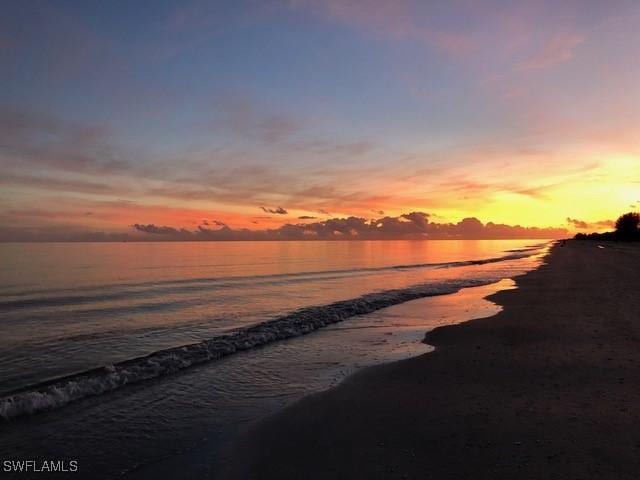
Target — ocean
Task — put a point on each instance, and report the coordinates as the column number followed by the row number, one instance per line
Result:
column 129, row 357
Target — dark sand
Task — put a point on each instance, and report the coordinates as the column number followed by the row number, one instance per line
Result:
column 548, row 388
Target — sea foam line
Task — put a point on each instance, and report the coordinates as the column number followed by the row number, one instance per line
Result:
column 57, row 393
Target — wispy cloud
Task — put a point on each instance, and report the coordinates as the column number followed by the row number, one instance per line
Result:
column 49, row 183
column 240, row 116
column 558, row 49
column 398, row 20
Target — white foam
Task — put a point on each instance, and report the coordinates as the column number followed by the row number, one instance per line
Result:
column 60, row 392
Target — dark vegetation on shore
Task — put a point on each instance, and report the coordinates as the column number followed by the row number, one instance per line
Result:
column 627, row 229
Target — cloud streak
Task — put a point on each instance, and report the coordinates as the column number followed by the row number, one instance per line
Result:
column 557, row 49
column 397, row 20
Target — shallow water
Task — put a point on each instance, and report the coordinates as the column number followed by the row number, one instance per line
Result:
column 180, row 423
column 66, row 308
column 179, row 426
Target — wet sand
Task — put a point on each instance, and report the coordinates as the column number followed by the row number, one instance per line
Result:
column 548, row 388
column 266, row 380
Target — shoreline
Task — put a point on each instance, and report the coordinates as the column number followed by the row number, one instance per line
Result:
column 388, row 335
column 199, row 412
column 543, row 389
column 59, row 391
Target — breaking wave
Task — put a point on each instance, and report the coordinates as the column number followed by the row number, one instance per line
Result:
column 59, row 392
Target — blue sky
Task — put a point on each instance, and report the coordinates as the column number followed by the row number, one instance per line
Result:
column 499, row 110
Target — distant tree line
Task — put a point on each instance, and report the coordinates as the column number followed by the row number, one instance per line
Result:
column 627, row 228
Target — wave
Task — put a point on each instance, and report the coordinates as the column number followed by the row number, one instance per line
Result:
column 528, row 248
column 59, row 392
column 197, row 284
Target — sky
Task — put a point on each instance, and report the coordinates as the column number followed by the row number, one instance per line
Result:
column 317, row 118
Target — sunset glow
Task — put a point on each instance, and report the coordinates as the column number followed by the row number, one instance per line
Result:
column 268, row 116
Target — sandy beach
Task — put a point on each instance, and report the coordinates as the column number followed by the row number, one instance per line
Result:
column 547, row 388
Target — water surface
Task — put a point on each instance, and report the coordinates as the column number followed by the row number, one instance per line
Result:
column 66, row 308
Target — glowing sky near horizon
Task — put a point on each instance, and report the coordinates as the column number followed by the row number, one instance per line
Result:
column 177, row 113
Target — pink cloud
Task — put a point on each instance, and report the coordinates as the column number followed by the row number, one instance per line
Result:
column 392, row 19
column 556, row 50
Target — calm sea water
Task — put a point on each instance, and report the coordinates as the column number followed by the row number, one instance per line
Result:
column 66, row 309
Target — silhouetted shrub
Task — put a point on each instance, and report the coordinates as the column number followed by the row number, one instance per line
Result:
column 627, row 228
column 627, row 225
